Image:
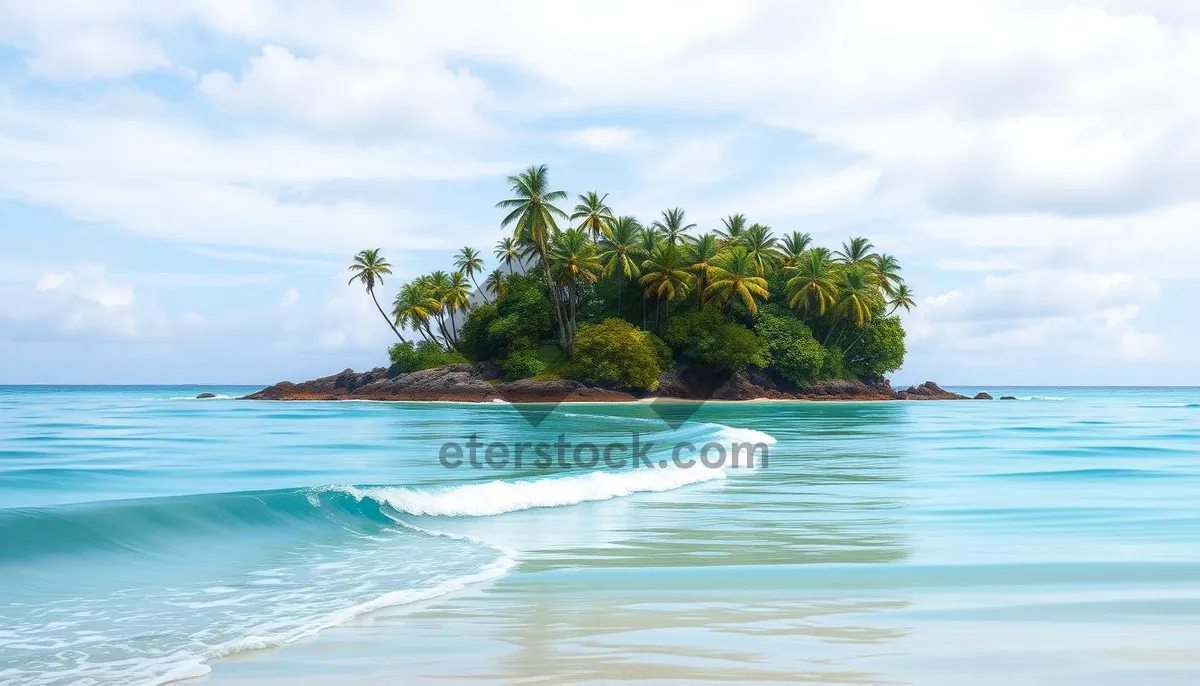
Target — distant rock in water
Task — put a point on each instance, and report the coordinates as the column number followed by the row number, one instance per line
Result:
column 983, row 396
column 455, row 382
column 928, row 391
column 482, row 383
column 1008, row 397
column 205, row 396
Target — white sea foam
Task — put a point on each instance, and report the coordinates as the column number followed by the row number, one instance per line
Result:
column 735, row 435
column 501, row 496
column 498, row 497
column 393, row 599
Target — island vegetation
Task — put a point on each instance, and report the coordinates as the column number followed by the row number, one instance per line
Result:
column 612, row 300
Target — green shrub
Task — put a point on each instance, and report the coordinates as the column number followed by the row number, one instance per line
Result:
column 662, row 351
column 521, row 318
column 704, row 336
column 834, row 366
column 877, row 349
column 406, row 357
column 792, row 350
column 474, row 340
column 615, row 351
column 529, row 312
column 522, row 363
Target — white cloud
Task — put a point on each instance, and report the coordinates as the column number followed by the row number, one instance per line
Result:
column 91, row 54
column 337, row 94
column 1062, row 314
column 88, row 281
column 290, row 297
column 603, row 138
column 50, row 281
column 169, row 180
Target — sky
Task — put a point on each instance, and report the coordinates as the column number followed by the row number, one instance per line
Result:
column 183, row 183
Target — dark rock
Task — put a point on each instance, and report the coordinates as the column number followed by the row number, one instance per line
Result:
column 849, row 389
column 557, row 391
column 482, row 383
column 204, row 396
column 691, row 382
column 488, row 371
column 452, row 382
column 741, row 387
column 983, row 396
column 456, row 382
column 928, row 391
column 1008, row 397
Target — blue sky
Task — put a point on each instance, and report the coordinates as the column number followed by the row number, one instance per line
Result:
column 183, row 183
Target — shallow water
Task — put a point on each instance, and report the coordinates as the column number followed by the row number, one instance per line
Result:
column 144, row 535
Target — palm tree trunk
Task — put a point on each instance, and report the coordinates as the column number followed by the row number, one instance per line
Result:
column 574, row 311
column 442, row 327
column 385, row 317
column 481, row 292
column 830, row 334
column 422, row 330
column 667, row 318
column 558, row 310
column 856, row 340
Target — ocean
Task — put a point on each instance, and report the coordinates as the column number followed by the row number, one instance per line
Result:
column 148, row 537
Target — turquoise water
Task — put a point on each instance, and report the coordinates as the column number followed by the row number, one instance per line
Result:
column 144, row 535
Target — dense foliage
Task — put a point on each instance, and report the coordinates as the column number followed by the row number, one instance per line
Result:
column 791, row 348
column 583, row 299
column 704, row 336
column 406, row 357
column 615, row 351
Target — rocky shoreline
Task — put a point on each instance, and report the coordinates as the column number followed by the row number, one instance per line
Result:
column 483, row 383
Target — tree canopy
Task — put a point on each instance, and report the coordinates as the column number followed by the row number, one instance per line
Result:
column 583, row 295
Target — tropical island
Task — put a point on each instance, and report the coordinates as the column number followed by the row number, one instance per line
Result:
column 597, row 306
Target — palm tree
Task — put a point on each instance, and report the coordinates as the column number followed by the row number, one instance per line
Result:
column 734, row 275
column 887, row 272
column 533, row 212
column 596, row 215
column 671, row 226
column 369, row 268
column 814, row 287
column 468, row 262
column 794, row 245
column 733, row 226
column 573, row 261
column 414, row 307
column 858, row 294
column 618, row 251
column 902, row 297
column 507, row 251
column 856, row 251
column 457, row 298
column 437, row 286
column 665, row 275
column 760, row 248
column 619, row 248
column 648, row 242
column 495, row 283
column 701, row 253
column 532, row 215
